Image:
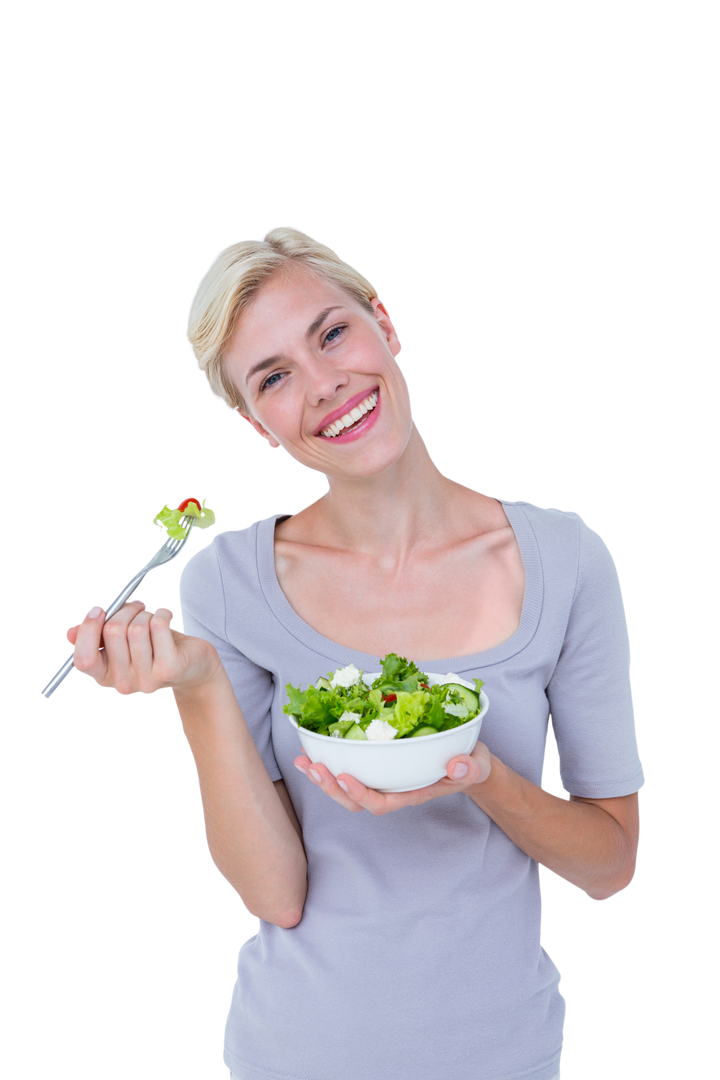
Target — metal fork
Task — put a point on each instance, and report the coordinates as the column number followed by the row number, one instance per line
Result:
column 167, row 552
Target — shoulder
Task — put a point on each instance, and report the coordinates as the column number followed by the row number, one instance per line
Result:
column 228, row 560
column 223, row 541
column 547, row 522
column 224, row 579
column 560, row 528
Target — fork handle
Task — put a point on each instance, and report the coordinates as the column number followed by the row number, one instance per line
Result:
column 55, row 682
column 115, row 606
column 158, row 558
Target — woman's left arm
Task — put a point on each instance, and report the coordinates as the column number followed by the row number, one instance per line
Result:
column 589, row 842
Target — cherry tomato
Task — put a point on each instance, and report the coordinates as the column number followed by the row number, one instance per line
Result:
column 184, row 504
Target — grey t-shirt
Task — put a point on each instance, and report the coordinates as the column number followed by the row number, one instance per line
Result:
column 418, row 955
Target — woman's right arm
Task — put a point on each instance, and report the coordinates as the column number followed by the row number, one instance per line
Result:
column 253, row 833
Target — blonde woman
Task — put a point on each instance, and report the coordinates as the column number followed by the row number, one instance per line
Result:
column 399, row 934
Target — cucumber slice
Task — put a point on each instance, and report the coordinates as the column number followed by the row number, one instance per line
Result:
column 323, row 684
column 426, row 730
column 356, row 732
column 469, row 698
column 341, row 726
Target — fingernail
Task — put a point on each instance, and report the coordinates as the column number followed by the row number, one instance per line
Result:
column 343, row 785
column 460, row 770
column 316, row 776
column 94, row 612
column 301, row 768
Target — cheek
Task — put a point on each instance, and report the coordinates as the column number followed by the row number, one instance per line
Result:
column 282, row 415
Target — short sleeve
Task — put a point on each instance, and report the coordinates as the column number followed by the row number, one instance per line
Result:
column 203, row 607
column 589, row 692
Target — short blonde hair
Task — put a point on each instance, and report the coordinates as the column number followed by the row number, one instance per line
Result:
column 233, row 281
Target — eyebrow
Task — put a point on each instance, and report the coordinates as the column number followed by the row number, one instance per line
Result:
column 271, row 360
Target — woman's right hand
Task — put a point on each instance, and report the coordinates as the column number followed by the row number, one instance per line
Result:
column 136, row 651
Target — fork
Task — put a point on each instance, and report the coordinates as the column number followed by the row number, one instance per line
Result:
column 167, row 552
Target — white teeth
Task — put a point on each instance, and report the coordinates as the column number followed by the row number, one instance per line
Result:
column 352, row 417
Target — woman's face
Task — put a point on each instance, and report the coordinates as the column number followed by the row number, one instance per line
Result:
column 319, row 376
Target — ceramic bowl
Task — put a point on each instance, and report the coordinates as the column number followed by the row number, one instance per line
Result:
column 400, row 764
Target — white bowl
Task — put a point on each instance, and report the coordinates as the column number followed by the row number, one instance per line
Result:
column 400, row 764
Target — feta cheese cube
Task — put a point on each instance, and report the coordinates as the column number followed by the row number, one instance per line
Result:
column 347, row 676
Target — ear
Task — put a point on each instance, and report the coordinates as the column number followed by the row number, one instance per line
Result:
column 259, row 428
column 386, row 326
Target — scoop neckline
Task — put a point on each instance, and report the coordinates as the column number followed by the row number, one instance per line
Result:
column 343, row 655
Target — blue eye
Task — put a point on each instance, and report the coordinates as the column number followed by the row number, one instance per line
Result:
column 270, row 380
column 332, row 334
column 276, row 375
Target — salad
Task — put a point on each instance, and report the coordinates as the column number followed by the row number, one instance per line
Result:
column 170, row 519
column 398, row 705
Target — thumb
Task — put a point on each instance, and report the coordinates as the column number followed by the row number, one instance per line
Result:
column 459, row 768
column 468, row 769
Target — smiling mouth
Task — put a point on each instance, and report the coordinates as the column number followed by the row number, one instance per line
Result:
column 352, row 419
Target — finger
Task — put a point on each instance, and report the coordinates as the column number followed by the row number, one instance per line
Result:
column 457, row 769
column 70, row 632
column 376, row 802
column 88, row 656
column 302, row 762
column 165, row 653
column 84, row 630
column 117, row 650
column 356, row 792
column 331, row 787
column 124, row 615
column 468, row 769
column 140, row 649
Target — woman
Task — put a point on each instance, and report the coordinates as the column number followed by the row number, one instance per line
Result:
column 402, row 942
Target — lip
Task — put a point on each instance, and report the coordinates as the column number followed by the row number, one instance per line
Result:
column 368, row 421
column 346, row 408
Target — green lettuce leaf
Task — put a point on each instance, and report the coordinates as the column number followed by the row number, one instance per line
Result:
column 399, row 674
column 410, row 710
column 320, row 707
column 203, row 518
column 170, row 520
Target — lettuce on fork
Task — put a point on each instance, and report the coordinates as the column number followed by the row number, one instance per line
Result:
column 399, row 704
column 167, row 518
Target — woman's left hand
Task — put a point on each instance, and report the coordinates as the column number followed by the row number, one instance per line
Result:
column 463, row 773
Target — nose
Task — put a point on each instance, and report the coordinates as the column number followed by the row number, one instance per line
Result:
column 323, row 381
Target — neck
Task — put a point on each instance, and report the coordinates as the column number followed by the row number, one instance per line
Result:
column 392, row 513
